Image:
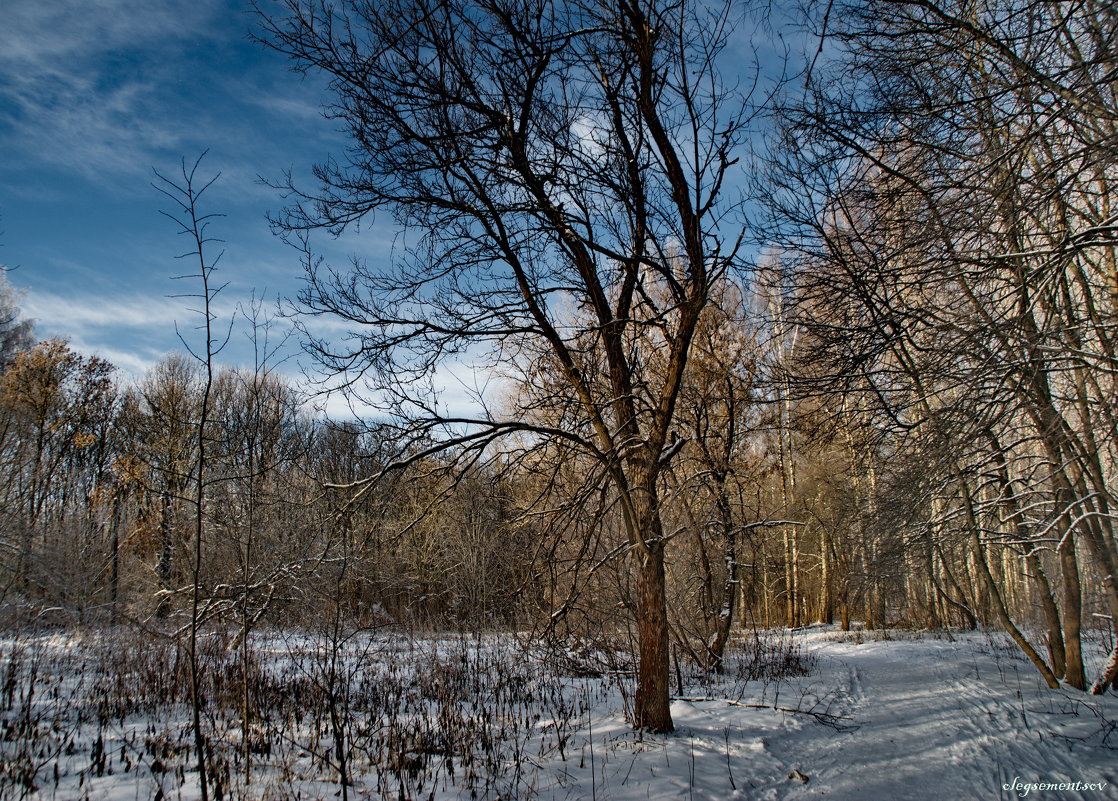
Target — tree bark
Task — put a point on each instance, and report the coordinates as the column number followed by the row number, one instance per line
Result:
column 166, row 552
column 1108, row 676
column 1073, row 612
column 652, row 705
column 1056, row 652
column 1003, row 614
column 826, row 597
column 725, row 620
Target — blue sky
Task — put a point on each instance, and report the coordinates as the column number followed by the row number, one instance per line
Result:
column 93, row 96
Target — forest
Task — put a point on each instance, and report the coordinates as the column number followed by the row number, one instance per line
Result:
column 834, row 349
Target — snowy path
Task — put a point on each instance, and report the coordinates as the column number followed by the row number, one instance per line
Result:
column 937, row 720
column 925, row 719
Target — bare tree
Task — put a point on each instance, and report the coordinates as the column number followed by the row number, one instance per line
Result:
column 561, row 174
column 717, row 467
column 56, row 408
column 185, row 192
column 16, row 331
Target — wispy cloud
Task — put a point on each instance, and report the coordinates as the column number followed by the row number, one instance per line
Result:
column 93, row 94
column 132, row 331
column 131, row 365
column 89, row 313
column 48, row 36
column 80, row 81
column 135, row 331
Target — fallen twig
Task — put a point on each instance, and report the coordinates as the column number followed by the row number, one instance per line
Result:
column 826, row 718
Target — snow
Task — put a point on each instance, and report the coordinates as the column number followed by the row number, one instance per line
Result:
column 940, row 719
column 915, row 716
column 918, row 719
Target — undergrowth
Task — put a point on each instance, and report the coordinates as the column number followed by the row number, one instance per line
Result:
column 361, row 713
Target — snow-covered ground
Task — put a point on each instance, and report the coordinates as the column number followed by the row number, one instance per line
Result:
column 914, row 719
column 911, row 717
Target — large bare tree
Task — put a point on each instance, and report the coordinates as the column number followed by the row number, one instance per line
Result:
column 560, row 171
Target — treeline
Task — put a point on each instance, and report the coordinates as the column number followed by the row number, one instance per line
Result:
column 98, row 520
column 782, row 509
column 903, row 415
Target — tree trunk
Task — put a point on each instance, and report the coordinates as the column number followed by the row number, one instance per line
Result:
column 932, row 619
column 1073, row 612
column 826, row 599
column 1108, row 676
column 970, row 622
column 652, row 704
column 725, row 620
column 995, row 594
column 114, row 574
column 766, row 587
column 1056, row 651
column 1055, row 636
column 1003, row 614
column 790, row 576
column 166, row 552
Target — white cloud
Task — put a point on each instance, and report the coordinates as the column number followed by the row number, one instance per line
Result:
column 131, row 366
column 468, row 386
column 79, row 80
column 134, row 332
column 131, row 331
column 287, row 106
column 82, row 315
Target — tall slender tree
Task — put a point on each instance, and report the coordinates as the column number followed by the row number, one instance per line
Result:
column 185, row 192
